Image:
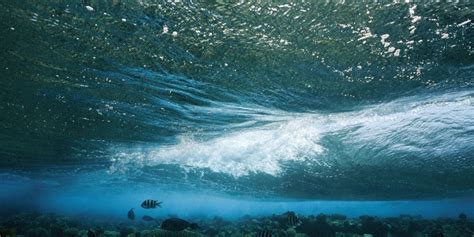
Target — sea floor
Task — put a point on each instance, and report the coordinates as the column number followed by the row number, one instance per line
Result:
column 52, row 225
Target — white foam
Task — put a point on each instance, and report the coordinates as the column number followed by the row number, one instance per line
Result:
column 414, row 125
column 464, row 23
column 254, row 150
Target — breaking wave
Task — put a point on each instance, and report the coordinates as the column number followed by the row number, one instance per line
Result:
column 326, row 100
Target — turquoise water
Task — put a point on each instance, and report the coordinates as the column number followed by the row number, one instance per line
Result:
column 240, row 108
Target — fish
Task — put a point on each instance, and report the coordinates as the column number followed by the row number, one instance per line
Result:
column 177, row 224
column 292, row 219
column 147, row 204
column 131, row 214
column 147, row 218
column 264, row 233
column 91, row 233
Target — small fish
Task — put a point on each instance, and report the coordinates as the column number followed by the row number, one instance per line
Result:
column 147, row 204
column 148, row 218
column 131, row 214
column 263, row 234
column 90, row 233
column 292, row 220
column 177, row 224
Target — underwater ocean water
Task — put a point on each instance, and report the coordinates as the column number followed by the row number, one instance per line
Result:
column 234, row 110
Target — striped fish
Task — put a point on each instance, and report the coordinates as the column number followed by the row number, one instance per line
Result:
column 263, row 234
column 147, row 204
column 292, row 220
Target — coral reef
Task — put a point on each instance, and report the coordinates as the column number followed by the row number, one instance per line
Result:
column 321, row 225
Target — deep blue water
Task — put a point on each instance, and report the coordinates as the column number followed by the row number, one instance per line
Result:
column 237, row 108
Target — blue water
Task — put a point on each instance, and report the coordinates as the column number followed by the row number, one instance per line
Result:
column 235, row 109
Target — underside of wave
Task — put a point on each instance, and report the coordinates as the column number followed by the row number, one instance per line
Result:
column 412, row 147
